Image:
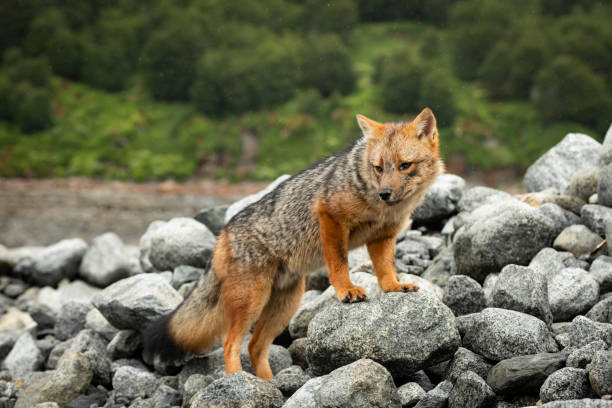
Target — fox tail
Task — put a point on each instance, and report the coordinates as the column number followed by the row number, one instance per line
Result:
column 196, row 325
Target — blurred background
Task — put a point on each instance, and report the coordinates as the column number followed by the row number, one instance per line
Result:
column 243, row 91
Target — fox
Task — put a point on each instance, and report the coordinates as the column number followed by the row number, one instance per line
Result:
column 363, row 195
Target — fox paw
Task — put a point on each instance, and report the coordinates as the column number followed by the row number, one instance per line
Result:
column 403, row 287
column 352, row 295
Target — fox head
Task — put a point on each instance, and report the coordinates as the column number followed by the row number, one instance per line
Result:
column 402, row 158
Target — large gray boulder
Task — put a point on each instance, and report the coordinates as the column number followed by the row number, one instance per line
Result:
column 24, row 357
column 565, row 384
column 499, row 334
column 600, row 372
column 240, row 205
column 238, row 390
column 555, row 168
column 581, row 357
column 132, row 303
column 130, row 383
column 479, row 196
column 571, row 292
column 405, row 332
column 582, row 331
column 524, row 374
column 466, row 360
column 604, row 186
column 67, row 382
column 560, row 217
column 498, row 235
column 602, row 311
column 180, row 241
column 596, row 218
column 577, row 239
column 52, row 264
column 440, row 200
column 363, row 383
column 463, row 295
column 520, row 288
column 106, row 261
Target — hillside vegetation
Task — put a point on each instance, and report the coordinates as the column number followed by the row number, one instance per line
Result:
column 128, row 89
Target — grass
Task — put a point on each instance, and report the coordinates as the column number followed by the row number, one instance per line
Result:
column 128, row 135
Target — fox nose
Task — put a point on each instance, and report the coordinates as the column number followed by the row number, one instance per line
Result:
column 385, row 194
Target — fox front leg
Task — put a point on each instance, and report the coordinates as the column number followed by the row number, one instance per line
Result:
column 334, row 238
column 382, row 255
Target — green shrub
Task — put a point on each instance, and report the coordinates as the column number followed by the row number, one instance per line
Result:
column 104, row 63
column 238, row 80
column 169, row 60
column 437, row 92
column 567, row 89
column 42, row 28
column 33, row 110
column 339, row 16
column 12, row 56
column 64, row 51
column 400, row 83
column 327, row 65
column 6, row 108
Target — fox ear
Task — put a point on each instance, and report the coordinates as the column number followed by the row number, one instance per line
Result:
column 425, row 124
column 370, row 128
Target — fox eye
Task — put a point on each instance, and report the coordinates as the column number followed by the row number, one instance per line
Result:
column 378, row 169
column 405, row 165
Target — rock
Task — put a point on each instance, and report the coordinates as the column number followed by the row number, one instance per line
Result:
column 15, row 288
column 608, row 231
column 404, row 332
column 565, row 384
column 318, row 280
column 470, row 390
column 549, row 262
column 363, row 383
column 106, row 261
column 441, row 268
column 238, row 390
column 524, row 374
column 289, row 380
column 583, row 331
column 601, row 271
column 604, row 186
column 97, row 322
column 94, row 345
column 125, row 344
column 11, row 257
column 436, row 398
column 478, row 196
column 193, row 384
column 466, row 360
column 44, row 317
column 595, row 217
column 180, row 241
column 358, row 257
column 600, row 373
column 213, row 218
column 578, row 240
column 410, row 393
column 560, row 217
column 520, row 288
column 16, row 320
column 145, row 246
column 165, row 396
column 499, row 334
column 421, row 378
column 52, row 264
column 7, row 341
column 498, row 236
column 571, row 292
column 238, row 206
column 579, row 358
column 184, row 274
column 297, row 350
column 556, row 167
column 70, row 380
column 71, row 319
column 583, row 183
column 608, row 138
column 567, row 202
column 96, row 399
column 412, row 255
column 463, row 295
column 440, row 200
column 298, row 326
column 133, row 302
column 583, row 403
column 425, row 287
column 212, row 364
column 24, row 357
column 130, row 383
column 602, row 311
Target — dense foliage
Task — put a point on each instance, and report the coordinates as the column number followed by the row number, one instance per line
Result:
column 189, row 78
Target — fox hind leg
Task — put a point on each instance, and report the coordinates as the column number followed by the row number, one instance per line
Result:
column 245, row 294
column 276, row 315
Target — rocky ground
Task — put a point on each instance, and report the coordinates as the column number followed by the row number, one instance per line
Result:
column 515, row 308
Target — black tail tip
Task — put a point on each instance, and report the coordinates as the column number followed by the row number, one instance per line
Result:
column 160, row 350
